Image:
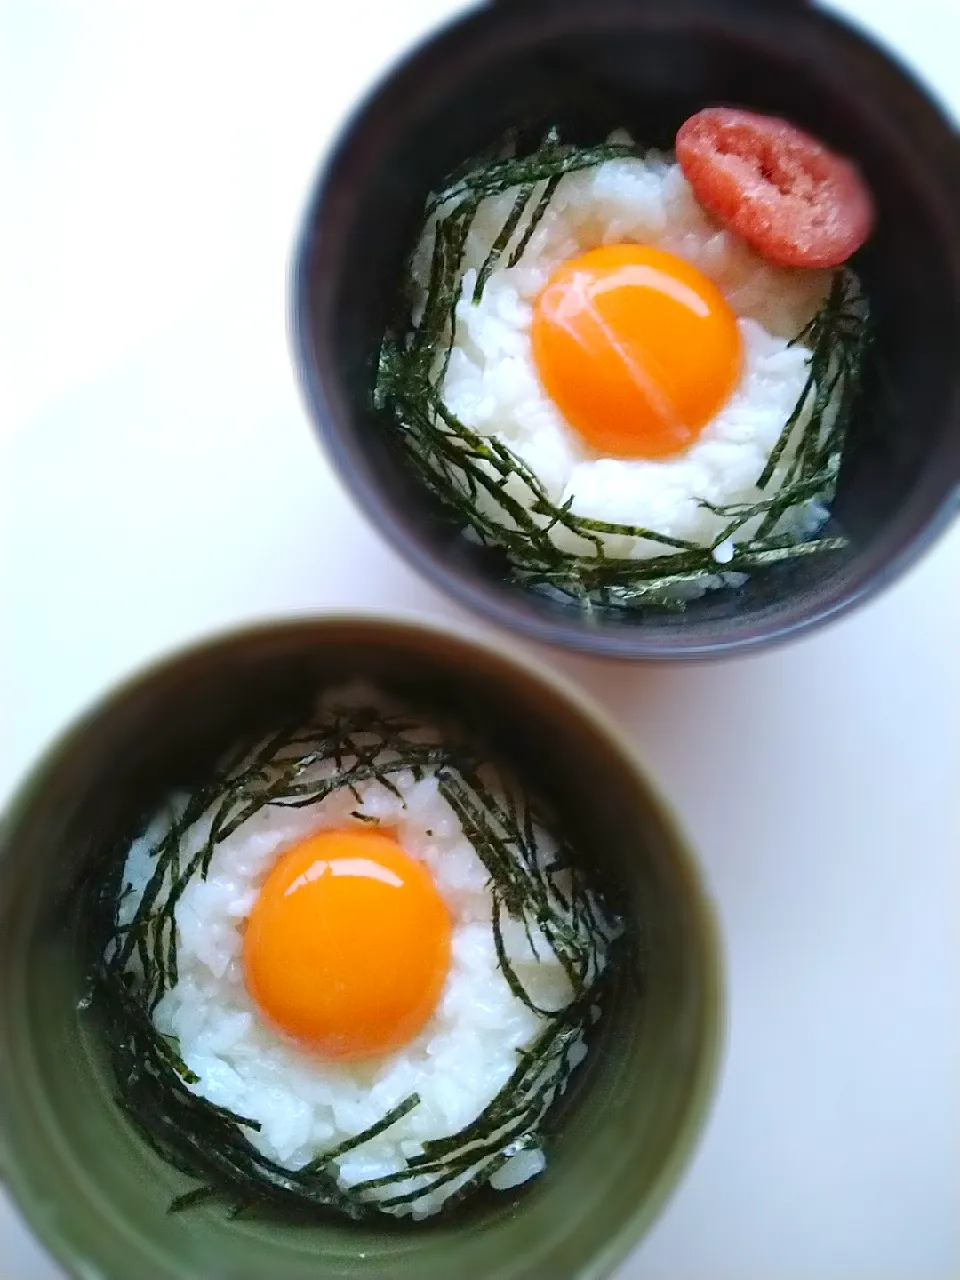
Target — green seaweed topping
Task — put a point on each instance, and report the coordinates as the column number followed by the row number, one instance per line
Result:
column 484, row 488
column 137, row 965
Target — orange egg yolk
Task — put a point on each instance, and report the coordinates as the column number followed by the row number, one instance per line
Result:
column 637, row 349
column 348, row 945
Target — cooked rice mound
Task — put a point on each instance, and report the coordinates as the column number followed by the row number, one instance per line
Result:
column 305, row 1105
column 491, row 383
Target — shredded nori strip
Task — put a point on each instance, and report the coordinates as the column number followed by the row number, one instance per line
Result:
column 137, row 965
column 484, row 488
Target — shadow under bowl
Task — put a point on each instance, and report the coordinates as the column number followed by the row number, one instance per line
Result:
column 589, row 66
column 89, row 1185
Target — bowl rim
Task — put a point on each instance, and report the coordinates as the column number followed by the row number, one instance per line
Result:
column 707, row 1074
column 511, row 607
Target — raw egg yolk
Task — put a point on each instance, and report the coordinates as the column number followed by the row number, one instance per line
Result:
column 637, row 349
column 348, row 945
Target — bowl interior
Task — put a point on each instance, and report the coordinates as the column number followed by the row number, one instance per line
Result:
column 588, row 68
column 93, row 1189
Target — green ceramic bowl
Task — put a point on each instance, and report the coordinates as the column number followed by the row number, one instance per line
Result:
column 92, row 1189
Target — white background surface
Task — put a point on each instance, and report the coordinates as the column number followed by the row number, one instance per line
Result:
column 161, row 481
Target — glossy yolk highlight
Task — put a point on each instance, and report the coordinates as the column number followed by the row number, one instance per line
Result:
column 637, row 349
column 348, row 945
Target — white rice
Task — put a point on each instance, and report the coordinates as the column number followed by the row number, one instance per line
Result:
column 306, row 1106
column 491, row 382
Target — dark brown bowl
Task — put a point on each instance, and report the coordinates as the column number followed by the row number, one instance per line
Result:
column 589, row 65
